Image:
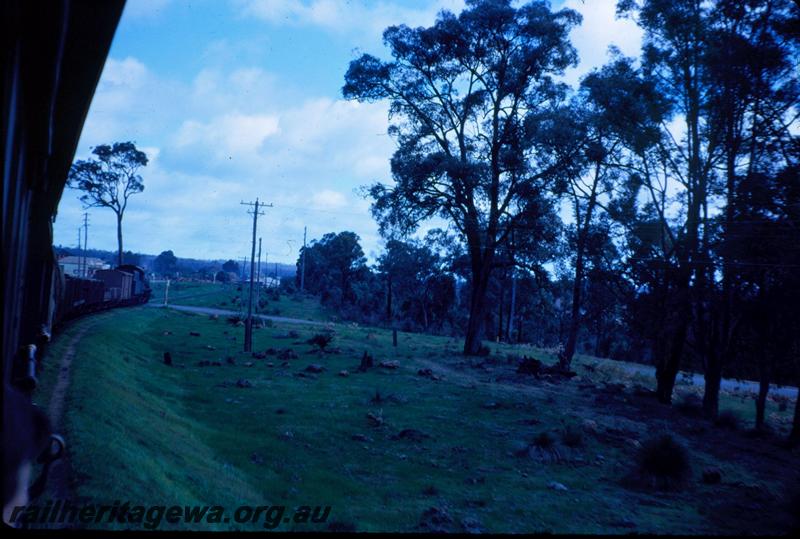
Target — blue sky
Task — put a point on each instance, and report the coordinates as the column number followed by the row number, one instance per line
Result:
column 239, row 99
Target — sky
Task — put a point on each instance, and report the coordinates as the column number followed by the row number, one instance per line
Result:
column 234, row 100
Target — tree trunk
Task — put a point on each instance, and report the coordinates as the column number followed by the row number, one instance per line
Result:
column 667, row 371
column 500, row 309
column 794, row 437
column 510, row 323
column 119, row 239
column 389, row 298
column 763, row 390
column 713, row 379
column 565, row 359
column 477, row 308
column 708, row 345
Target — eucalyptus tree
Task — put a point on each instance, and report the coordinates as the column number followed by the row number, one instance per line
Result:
column 109, row 179
column 467, row 97
column 615, row 111
column 728, row 73
column 753, row 101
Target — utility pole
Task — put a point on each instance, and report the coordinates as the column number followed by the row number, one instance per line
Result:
column 303, row 263
column 85, row 240
column 248, row 325
column 258, row 272
column 80, row 271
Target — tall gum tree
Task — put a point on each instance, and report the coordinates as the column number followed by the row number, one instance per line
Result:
column 466, row 99
column 675, row 41
column 109, row 179
column 726, row 69
column 614, row 109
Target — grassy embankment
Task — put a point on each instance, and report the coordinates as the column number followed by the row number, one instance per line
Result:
column 142, row 431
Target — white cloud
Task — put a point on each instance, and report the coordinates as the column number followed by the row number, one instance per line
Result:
column 356, row 15
column 145, row 9
column 229, row 135
column 233, row 130
column 128, row 72
column 328, row 199
column 599, row 29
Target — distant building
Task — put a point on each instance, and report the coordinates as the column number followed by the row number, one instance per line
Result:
column 266, row 282
column 270, row 282
column 73, row 265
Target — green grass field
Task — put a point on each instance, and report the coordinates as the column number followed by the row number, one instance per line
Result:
column 234, row 297
column 142, row 431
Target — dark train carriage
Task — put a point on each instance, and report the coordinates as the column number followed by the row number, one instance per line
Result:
column 141, row 287
column 119, row 284
column 53, row 56
column 81, row 296
column 78, row 296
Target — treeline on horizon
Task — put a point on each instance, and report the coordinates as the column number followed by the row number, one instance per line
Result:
column 166, row 264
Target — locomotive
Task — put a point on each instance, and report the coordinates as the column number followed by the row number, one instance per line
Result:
column 123, row 286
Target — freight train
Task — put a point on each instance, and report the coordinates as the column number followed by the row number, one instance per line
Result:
column 123, row 286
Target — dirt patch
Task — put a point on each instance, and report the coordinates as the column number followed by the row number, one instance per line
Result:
column 61, row 470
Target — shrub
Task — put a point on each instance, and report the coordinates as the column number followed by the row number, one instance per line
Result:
column 321, row 340
column 572, row 436
column 728, row 419
column 513, row 359
column 544, row 440
column 664, row 462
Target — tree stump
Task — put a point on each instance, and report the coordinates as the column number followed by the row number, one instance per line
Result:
column 366, row 363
